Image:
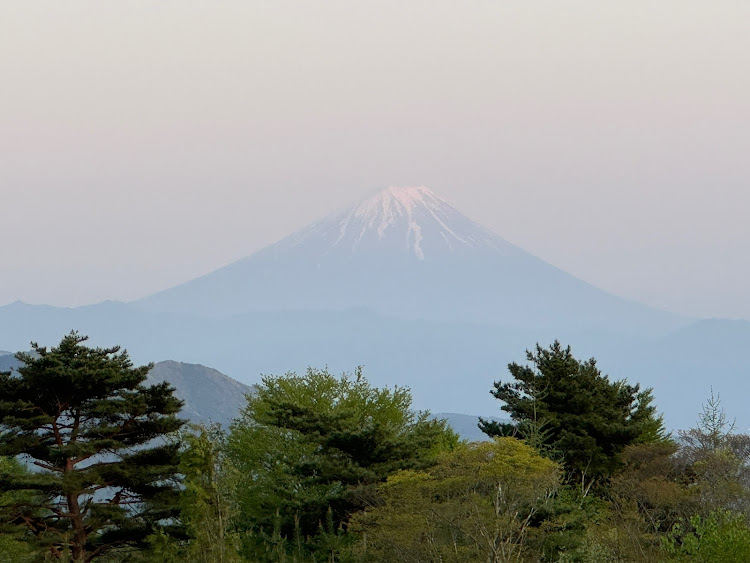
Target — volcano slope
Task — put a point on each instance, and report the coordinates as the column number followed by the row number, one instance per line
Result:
column 406, row 252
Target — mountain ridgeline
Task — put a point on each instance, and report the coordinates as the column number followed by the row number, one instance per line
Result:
column 421, row 296
column 406, row 252
column 209, row 396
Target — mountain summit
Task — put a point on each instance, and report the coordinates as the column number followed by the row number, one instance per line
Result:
column 397, row 224
column 411, row 219
column 406, row 252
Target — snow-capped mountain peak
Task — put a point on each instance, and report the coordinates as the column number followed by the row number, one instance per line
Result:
column 412, row 218
column 404, row 251
column 398, row 200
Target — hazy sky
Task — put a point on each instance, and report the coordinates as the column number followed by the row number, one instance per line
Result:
column 143, row 143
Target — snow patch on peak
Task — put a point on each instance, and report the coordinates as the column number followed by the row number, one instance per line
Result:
column 412, row 216
column 416, row 230
column 397, row 199
column 381, row 211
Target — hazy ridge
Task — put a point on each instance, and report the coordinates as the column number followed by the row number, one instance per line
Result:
column 421, row 296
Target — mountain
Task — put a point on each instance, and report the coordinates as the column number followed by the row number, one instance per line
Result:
column 687, row 365
column 449, row 366
column 466, row 425
column 209, row 395
column 7, row 362
column 408, row 253
column 422, row 297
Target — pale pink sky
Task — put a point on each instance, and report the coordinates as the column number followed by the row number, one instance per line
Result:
column 144, row 143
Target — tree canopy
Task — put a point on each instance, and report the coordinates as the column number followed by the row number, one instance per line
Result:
column 562, row 404
column 83, row 418
column 95, row 465
column 314, row 447
column 13, row 533
column 476, row 504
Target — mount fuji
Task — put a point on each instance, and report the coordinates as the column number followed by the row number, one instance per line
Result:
column 419, row 294
column 406, row 252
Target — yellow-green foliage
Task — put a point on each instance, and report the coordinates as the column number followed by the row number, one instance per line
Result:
column 476, row 504
column 209, row 506
column 722, row 536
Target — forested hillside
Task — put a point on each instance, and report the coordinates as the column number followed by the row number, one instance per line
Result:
column 578, row 466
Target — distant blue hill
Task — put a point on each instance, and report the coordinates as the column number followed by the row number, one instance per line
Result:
column 450, row 366
column 405, row 285
column 466, row 425
column 209, row 395
column 212, row 397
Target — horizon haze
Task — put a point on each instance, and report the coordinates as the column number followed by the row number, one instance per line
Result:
column 145, row 145
column 405, row 284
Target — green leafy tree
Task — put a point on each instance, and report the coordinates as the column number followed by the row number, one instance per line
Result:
column 644, row 499
column 84, row 418
column 721, row 536
column 652, row 483
column 312, row 450
column 561, row 526
column 572, row 408
column 209, row 507
column 476, row 504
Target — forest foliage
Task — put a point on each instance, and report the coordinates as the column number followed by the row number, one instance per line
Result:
column 96, row 466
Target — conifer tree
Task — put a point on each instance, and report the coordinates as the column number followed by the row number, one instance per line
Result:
column 584, row 416
column 13, row 547
column 83, row 418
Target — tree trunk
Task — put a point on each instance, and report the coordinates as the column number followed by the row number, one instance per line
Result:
column 78, row 545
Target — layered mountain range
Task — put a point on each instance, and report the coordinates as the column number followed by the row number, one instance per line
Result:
column 419, row 294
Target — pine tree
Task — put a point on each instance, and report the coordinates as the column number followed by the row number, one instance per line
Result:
column 13, row 545
column 575, row 410
column 85, row 420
